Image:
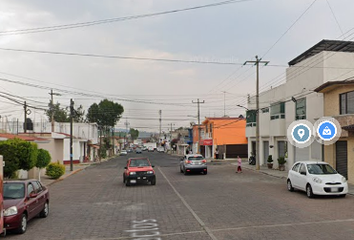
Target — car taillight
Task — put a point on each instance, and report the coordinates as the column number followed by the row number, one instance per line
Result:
column 204, row 161
column 188, row 161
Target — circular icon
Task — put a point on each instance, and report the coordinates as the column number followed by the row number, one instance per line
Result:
column 301, row 133
column 326, row 130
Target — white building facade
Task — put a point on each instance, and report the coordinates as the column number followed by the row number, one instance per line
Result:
column 295, row 100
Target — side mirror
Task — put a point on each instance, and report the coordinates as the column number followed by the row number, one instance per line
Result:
column 125, row 168
column 152, row 166
column 33, row 195
column 303, row 173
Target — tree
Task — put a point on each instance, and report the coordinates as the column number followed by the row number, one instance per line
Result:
column 106, row 114
column 134, row 133
column 63, row 114
column 43, row 159
column 60, row 114
column 18, row 154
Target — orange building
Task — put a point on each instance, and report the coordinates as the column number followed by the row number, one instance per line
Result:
column 227, row 135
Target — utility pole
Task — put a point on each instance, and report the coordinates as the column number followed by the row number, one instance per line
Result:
column 71, row 133
column 198, row 103
column 257, row 62
column 126, row 127
column 27, row 112
column 25, row 125
column 160, row 112
column 224, row 103
column 52, row 103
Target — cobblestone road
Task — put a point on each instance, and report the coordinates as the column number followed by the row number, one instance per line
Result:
column 95, row 204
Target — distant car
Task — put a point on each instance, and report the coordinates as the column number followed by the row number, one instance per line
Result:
column 144, row 148
column 150, row 149
column 123, row 152
column 316, row 178
column 24, row 200
column 193, row 163
column 139, row 170
column 138, row 150
column 129, row 150
column 161, row 149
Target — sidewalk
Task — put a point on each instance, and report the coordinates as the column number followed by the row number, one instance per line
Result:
column 279, row 174
column 47, row 181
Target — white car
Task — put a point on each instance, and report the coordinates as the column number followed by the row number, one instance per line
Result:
column 161, row 149
column 123, row 152
column 316, row 178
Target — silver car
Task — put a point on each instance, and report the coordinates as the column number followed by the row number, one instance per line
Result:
column 193, row 163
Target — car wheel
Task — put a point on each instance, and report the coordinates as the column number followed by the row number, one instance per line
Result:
column 206, row 172
column 123, row 178
column 342, row 195
column 45, row 212
column 290, row 186
column 180, row 169
column 127, row 183
column 23, row 225
column 185, row 172
column 153, row 181
column 309, row 192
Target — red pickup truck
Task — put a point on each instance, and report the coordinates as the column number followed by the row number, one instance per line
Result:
column 138, row 170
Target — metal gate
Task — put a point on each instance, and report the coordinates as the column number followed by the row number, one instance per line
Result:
column 265, row 151
column 342, row 158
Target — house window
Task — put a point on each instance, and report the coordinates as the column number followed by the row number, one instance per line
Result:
column 251, row 116
column 346, row 103
column 277, row 111
column 300, row 109
column 265, row 110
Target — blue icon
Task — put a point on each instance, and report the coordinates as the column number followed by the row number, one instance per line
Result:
column 301, row 133
column 327, row 130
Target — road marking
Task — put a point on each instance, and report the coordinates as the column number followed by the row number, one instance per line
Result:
column 144, row 230
column 207, row 230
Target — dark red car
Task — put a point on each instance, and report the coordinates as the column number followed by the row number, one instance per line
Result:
column 24, row 200
column 139, row 170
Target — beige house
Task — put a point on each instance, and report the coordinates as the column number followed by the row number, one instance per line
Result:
column 339, row 103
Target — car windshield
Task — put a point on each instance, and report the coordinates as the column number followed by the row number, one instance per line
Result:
column 196, row 158
column 139, row 163
column 320, row 169
column 14, row 190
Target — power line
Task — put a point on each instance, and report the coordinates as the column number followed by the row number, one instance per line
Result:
column 110, row 20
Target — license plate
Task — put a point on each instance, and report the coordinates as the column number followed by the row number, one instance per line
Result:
column 133, row 181
column 334, row 189
column 138, row 177
column 144, row 177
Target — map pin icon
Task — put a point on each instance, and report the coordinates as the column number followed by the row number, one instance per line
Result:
column 301, row 132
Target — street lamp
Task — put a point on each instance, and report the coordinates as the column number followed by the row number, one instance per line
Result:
column 242, row 107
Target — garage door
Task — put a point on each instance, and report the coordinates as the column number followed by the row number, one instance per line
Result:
column 302, row 154
column 342, row 158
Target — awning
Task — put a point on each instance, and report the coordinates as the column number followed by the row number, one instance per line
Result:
column 349, row 128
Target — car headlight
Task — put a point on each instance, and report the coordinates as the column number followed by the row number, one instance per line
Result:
column 132, row 173
column 317, row 180
column 10, row 211
column 344, row 179
column 150, row 172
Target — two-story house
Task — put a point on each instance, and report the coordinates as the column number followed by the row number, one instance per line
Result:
column 328, row 60
column 339, row 104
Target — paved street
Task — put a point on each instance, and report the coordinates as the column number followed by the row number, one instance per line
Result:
column 95, row 204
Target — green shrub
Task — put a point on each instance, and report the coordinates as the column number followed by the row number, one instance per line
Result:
column 55, row 170
column 270, row 159
column 281, row 160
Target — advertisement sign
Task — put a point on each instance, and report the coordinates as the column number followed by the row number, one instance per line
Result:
column 207, row 142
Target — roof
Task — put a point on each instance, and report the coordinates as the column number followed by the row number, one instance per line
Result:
column 333, row 84
column 194, row 155
column 312, row 162
column 26, row 138
column 324, row 45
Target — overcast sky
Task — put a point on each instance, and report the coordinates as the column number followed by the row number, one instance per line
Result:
column 230, row 33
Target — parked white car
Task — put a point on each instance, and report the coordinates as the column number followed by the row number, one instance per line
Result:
column 123, row 152
column 316, row 178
